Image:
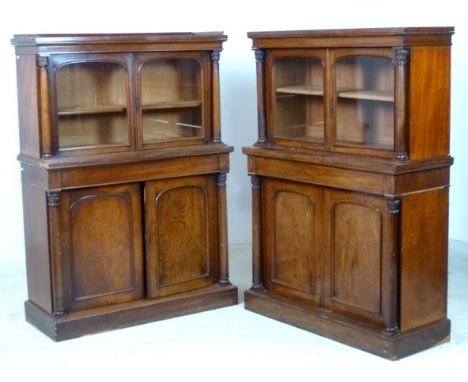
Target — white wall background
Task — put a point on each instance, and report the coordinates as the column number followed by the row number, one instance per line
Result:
column 238, row 97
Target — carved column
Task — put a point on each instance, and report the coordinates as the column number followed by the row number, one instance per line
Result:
column 216, row 107
column 262, row 133
column 222, row 231
column 394, row 208
column 44, row 107
column 401, row 136
column 53, row 199
column 257, row 279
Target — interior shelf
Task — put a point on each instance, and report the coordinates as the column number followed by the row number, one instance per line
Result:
column 172, row 105
column 301, row 89
column 95, row 109
column 371, row 95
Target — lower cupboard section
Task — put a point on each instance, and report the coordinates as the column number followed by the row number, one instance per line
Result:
column 326, row 248
column 367, row 270
column 127, row 246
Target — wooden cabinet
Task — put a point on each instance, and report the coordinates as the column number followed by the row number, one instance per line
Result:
column 350, row 178
column 124, row 177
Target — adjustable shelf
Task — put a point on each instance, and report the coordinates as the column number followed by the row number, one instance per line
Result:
column 172, row 105
column 98, row 109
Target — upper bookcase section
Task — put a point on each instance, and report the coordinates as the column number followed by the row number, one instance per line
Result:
column 376, row 92
column 96, row 94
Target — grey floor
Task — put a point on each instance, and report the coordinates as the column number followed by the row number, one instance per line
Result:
column 229, row 344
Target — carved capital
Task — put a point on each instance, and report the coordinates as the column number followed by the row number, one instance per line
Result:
column 221, row 179
column 259, row 55
column 402, row 156
column 256, row 182
column 401, row 55
column 53, row 199
column 215, row 55
column 42, row 62
column 394, row 206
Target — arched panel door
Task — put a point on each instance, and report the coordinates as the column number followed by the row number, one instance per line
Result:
column 101, row 245
column 180, row 235
column 356, row 263
column 291, row 250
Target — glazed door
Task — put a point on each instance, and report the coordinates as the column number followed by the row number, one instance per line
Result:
column 367, row 101
column 358, row 256
column 101, row 245
column 181, row 224
column 92, row 97
column 296, row 97
column 291, row 216
column 173, row 98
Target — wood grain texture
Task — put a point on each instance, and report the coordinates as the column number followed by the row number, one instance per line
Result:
column 180, row 235
column 292, row 255
column 28, row 105
column 367, row 197
column 424, row 258
column 122, row 119
column 357, row 256
column 102, row 243
column 364, row 337
column 36, row 235
column 429, row 101
column 77, row 324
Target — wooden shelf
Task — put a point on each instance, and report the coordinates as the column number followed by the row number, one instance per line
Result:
column 369, row 145
column 172, row 105
column 97, row 109
column 371, row 95
column 301, row 89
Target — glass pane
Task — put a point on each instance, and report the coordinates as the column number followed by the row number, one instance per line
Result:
column 171, row 100
column 365, row 102
column 92, row 105
column 298, row 86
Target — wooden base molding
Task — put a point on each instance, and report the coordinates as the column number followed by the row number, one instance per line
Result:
column 365, row 337
column 128, row 314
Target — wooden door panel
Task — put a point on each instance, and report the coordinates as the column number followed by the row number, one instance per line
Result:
column 355, row 263
column 180, row 224
column 356, row 268
column 102, row 245
column 290, row 240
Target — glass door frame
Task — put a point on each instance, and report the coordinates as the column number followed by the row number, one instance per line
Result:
column 59, row 60
column 271, row 55
column 398, row 103
column 203, row 58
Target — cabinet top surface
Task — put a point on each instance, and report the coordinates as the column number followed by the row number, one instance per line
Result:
column 70, row 40
column 348, row 37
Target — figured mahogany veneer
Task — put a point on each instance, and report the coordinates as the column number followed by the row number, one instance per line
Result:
column 350, row 178
column 124, row 177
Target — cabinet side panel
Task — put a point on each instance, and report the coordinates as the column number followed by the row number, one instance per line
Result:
column 37, row 247
column 429, row 101
column 424, row 258
column 28, row 105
